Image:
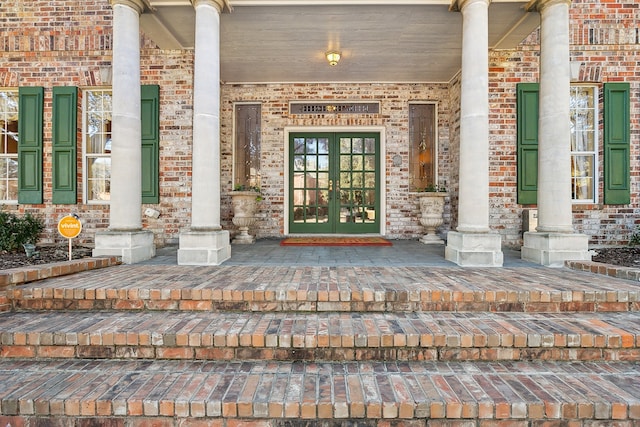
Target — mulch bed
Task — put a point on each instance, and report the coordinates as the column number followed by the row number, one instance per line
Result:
column 43, row 255
column 628, row 256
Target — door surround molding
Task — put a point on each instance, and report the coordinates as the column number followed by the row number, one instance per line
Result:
column 311, row 129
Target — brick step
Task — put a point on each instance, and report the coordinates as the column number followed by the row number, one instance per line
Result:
column 20, row 275
column 371, row 392
column 322, row 336
column 319, row 289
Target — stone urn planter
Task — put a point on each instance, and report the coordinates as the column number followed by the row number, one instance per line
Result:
column 431, row 211
column 245, row 206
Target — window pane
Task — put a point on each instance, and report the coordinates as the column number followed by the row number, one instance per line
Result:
column 97, row 117
column 582, row 177
column 370, row 163
column 345, row 145
column 323, row 146
column 356, row 163
column 99, row 178
column 323, row 163
column 323, row 180
column 246, row 162
column 98, row 122
column 8, row 178
column 583, row 116
column 298, row 144
column 422, row 146
column 370, row 145
column 357, row 146
column 8, row 146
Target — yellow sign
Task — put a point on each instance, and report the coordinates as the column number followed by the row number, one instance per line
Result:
column 69, row 227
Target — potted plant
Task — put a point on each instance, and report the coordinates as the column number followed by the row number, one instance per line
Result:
column 432, row 200
column 244, row 201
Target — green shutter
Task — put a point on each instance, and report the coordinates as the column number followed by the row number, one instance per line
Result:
column 150, row 117
column 30, row 117
column 527, row 136
column 64, row 138
column 617, row 131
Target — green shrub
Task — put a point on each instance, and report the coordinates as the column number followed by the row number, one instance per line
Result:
column 16, row 231
column 635, row 237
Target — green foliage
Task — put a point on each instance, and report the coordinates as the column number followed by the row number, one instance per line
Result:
column 635, row 238
column 16, row 231
column 242, row 187
column 431, row 188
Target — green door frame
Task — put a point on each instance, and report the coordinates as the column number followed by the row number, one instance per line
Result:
column 334, row 182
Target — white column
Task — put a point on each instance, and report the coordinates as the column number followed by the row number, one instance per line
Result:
column 554, row 137
column 554, row 240
column 126, row 148
column 206, row 243
column 125, row 236
column 205, row 204
column 472, row 244
column 473, row 208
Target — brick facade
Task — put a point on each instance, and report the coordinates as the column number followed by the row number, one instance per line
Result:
column 65, row 44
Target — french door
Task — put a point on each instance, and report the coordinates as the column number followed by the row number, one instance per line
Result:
column 334, row 183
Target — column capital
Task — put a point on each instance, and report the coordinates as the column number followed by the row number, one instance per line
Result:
column 218, row 4
column 458, row 5
column 538, row 5
column 137, row 5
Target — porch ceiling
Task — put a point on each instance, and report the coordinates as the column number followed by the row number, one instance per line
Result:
column 264, row 41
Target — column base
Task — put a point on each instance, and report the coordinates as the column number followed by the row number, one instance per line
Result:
column 474, row 249
column 204, row 247
column 553, row 249
column 132, row 246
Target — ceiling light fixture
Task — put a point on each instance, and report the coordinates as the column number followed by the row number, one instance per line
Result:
column 333, row 57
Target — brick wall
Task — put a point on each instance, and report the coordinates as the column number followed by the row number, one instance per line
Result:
column 402, row 207
column 58, row 43
column 605, row 42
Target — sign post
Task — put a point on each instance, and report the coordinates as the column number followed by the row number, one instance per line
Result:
column 69, row 227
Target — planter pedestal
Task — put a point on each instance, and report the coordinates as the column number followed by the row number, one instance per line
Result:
column 245, row 205
column 431, row 211
column 243, row 224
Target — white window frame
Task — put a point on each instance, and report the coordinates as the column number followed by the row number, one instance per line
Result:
column 592, row 128
column 86, row 156
column 4, row 201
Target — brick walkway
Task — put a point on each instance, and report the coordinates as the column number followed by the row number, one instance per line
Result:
column 411, row 342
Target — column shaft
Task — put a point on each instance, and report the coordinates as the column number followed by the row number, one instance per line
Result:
column 554, row 138
column 205, row 204
column 126, row 149
column 125, row 237
column 472, row 244
column 554, row 242
column 206, row 243
column 473, row 208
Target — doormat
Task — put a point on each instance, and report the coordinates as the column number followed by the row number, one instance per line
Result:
column 335, row 241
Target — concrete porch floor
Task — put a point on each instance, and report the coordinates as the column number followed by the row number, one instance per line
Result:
column 403, row 253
